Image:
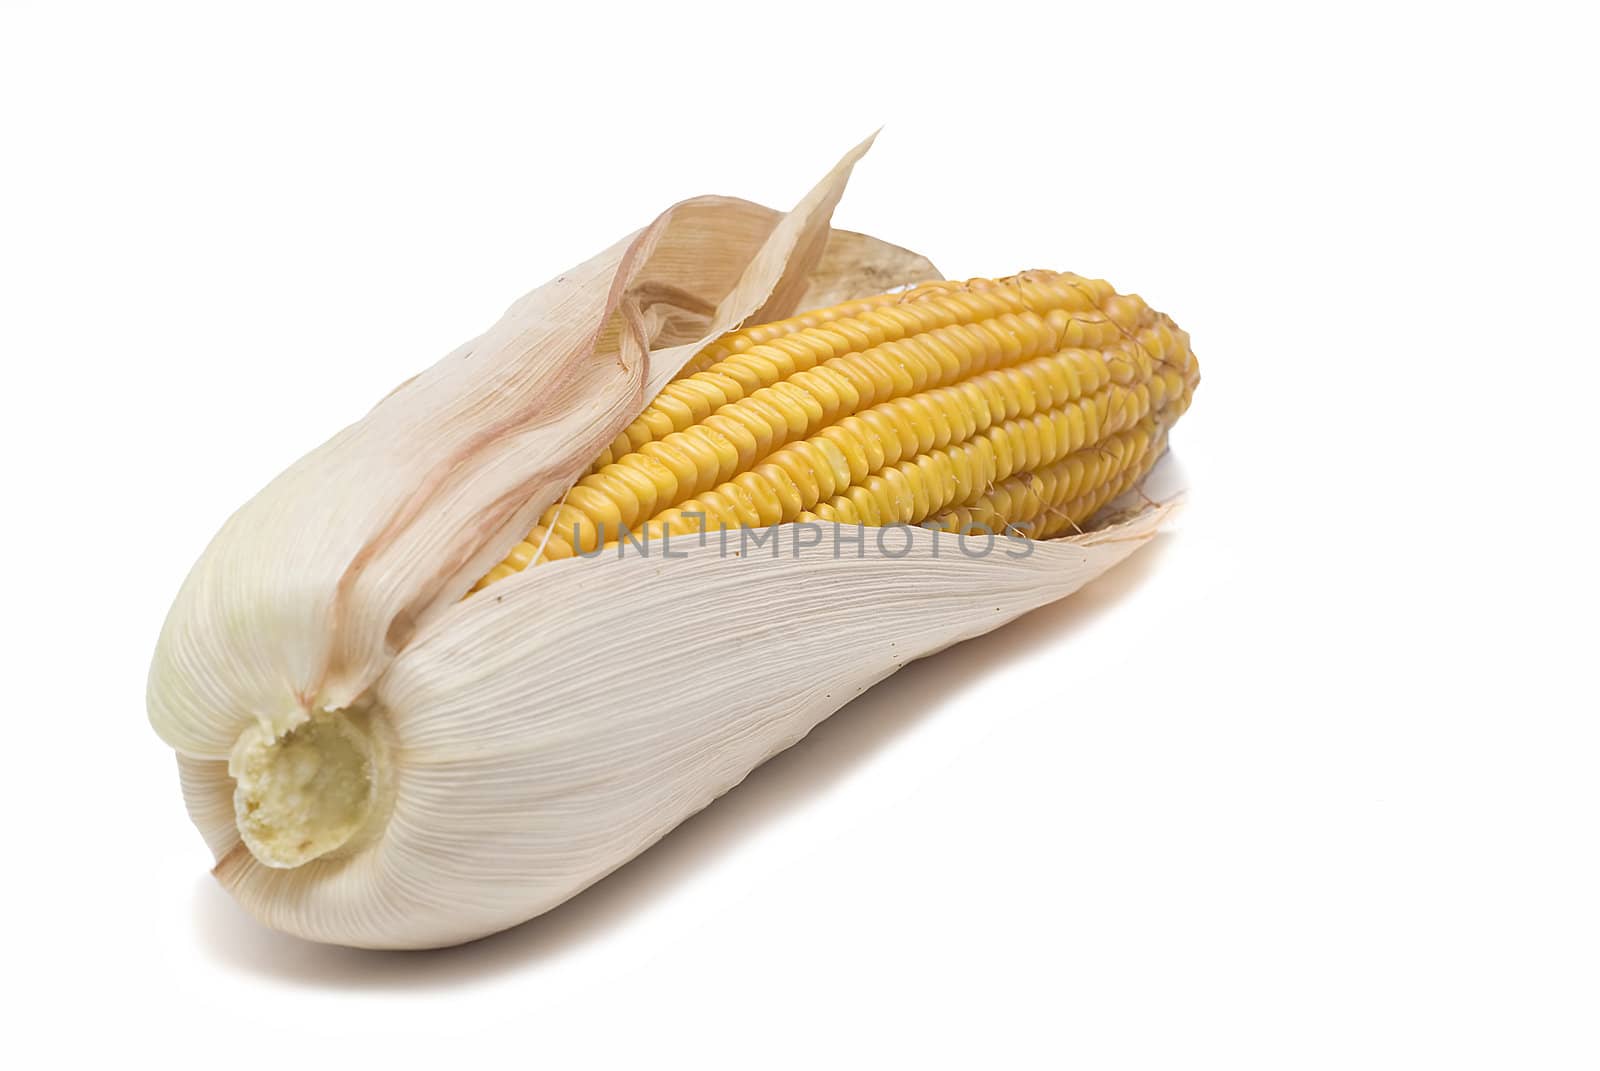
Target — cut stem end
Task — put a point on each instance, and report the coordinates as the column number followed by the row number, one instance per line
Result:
column 307, row 793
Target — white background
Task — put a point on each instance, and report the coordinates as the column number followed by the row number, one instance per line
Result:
column 1310, row 782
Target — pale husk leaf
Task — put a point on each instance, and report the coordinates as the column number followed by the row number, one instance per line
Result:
column 559, row 723
column 858, row 265
column 302, row 599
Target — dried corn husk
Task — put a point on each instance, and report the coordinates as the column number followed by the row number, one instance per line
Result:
column 525, row 742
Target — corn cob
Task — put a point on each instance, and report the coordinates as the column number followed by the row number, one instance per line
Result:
column 1006, row 404
column 375, row 760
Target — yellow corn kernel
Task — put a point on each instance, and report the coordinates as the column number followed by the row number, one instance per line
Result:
column 1016, row 404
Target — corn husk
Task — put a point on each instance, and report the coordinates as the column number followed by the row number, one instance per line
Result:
column 545, row 731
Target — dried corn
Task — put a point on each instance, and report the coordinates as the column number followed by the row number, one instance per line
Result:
column 377, row 760
column 897, row 409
